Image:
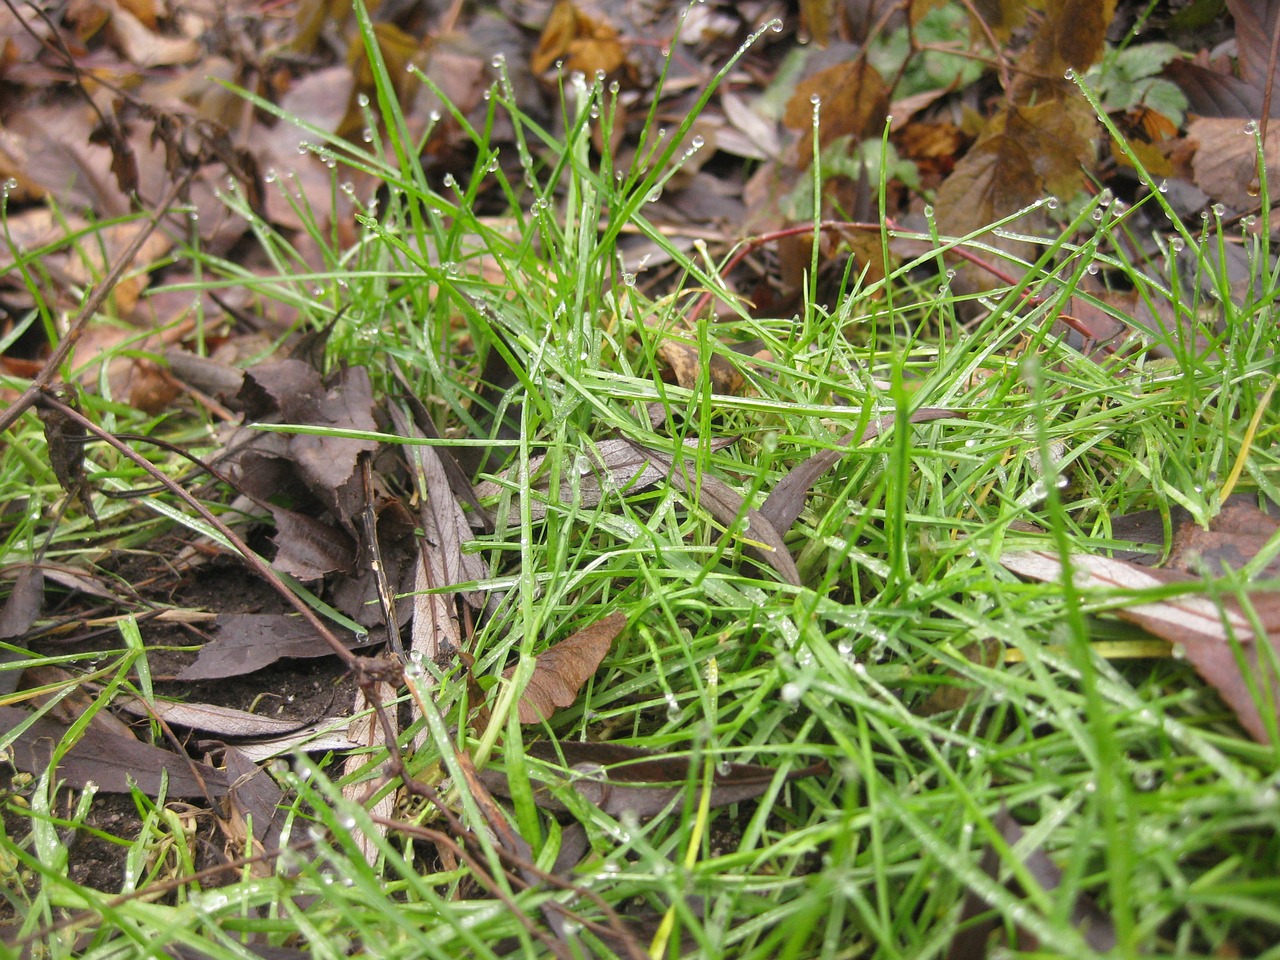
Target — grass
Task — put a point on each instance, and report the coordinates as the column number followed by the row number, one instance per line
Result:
column 1129, row 773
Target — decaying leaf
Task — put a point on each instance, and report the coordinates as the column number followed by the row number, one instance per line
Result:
column 728, row 507
column 253, row 809
column 582, row 39
column 308, row 548
column 115, row 764
column 1215, row 633
column 26, row 597
column 246, row 642
column 686, row 365
column 613, row 467
column 1225, row 164
column 852, row 99
column 620, row 779
column 972, row 941
column 564, row 667
column 786, row 502
column 65, row 440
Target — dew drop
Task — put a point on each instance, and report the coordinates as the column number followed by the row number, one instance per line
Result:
column 1219, row 210
column 1251, row 128
column 1069, row 74
column 815, row 99
column 790, row 692
column 1051, row 203
column 499, row 61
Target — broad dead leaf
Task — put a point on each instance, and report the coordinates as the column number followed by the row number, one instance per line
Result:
column 1216, row 635
column 685, row 361
column 1225, row 164
column 785, row 503
column 973, row 939
column 620, row 779
column 246, row 642
column 564, row 667
column 853, row 101
column 728, row 507
column 308, row 548
column 114, row 763
column 579, row 37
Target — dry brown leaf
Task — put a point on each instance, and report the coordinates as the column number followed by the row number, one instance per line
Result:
column 145, row 48
column 582, row 39
column 246, row 642
column 1225, row 164
column 853, row 101
column 786, row 501
column 563, row 668
column 115, row 764
column 685, row 362
column 1215, row 635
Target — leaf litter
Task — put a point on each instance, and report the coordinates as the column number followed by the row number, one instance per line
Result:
column 314, row 487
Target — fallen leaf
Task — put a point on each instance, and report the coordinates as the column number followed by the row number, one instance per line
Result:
column 21, row 609
column 728, row 507
column 614, row 467
column 973, row 939
column 852, row 99
column 582, row 39
column 308, row 548
column 246, row 642
column 1214, row 634
column 685, row 361
column 786, row 501
column 563, row 668
column 1225, row 165
column 254, row 808
column 113, row 763
column 620, row 779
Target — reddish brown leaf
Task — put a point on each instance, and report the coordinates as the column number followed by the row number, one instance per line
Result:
column 727, row 506
column 972, row 942
column 20, row 611
column 853, row 102
column 309, row 549
column 584, row 41
column 563, row 668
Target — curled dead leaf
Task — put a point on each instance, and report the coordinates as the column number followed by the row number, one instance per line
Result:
column 563, row 668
